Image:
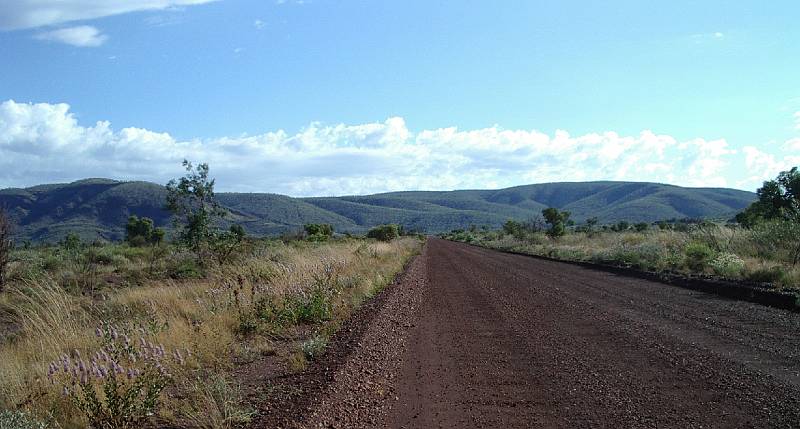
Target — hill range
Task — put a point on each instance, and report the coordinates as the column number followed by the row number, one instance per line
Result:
column 99, row 208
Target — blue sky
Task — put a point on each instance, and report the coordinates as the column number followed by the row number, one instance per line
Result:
column 324, row 97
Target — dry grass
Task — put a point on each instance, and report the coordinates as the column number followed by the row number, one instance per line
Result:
column 721, row 250
column 217, row 317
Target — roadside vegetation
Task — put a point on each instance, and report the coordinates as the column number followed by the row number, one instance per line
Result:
column 761, row 245
column 151, row 331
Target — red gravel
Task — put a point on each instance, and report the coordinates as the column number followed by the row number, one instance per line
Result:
column 507, row 341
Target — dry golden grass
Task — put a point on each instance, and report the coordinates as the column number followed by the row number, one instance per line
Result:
column 202, row 315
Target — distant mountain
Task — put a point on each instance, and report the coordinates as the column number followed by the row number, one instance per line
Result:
column 98, row 208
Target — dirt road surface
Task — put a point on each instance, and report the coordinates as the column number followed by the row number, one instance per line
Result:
column 489, row 340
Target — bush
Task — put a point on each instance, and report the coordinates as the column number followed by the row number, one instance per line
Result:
column 620, row 226
column 119, row 386
column 184, row 266
column 768, row 275
column 71, row 242
column 779, row 237
column 314, row 347
column 727, row 265
column 557, row 220
column 384, row 232
column 318, row 231
column 698, row 255
column 19, row 420
column 141, row 231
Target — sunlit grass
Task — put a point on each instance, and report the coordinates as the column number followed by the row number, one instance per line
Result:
column 56, row 300
column 720, row 250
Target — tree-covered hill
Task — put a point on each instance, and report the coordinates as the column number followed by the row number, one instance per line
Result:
column 98, row 208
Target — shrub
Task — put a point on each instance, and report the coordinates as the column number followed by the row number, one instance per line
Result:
column 184, row 266
column 141, row 231
column 384, row 232
column 314, row 347
column 620, row 226
column 698, row 256
column 768, row 275
column 318, row 231
column 223, row 246
column 727, row 265
column 71, row 242
column 19, row 420
column 512, row 227
column 119, row 386
column 557, row 220
column 779, row 236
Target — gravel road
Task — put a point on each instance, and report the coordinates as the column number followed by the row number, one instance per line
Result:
column 471, row 337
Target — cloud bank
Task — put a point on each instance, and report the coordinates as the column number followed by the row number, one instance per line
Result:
column 22, row 14
column 43, row 143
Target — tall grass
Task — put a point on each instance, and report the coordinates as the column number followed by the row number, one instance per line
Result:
column 218, row 313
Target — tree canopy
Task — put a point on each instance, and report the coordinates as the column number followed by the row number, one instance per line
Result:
column 777, row 199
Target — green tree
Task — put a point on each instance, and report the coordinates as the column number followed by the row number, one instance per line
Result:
column 71, row 242
column 192, row 202
column 512, row 227
column 141, row 231
column 777, row 199
column 557, row 220
column 384, row 232
column 620, row 226
column 318, row 231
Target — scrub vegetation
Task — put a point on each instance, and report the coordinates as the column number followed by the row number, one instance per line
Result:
column 151, row 331
column 762, row 244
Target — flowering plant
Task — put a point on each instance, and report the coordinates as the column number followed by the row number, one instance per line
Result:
column 119, row 385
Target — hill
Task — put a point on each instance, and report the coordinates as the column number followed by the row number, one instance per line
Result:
column 98, row 208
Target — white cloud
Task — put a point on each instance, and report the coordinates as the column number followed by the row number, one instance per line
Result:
column 21, row 14
column 42, row 143
column 763, row 166
column 259, row 24
column 797, row 120
column 84, row 36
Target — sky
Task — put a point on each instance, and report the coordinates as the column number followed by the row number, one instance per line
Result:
column 335, row 97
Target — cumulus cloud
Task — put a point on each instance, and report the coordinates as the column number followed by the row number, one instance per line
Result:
column 797, row 120
column 21, row 14
column 42, row 143
column 762, row 165
column 84, row 36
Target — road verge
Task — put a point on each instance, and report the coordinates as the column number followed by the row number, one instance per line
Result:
column 759, row 293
